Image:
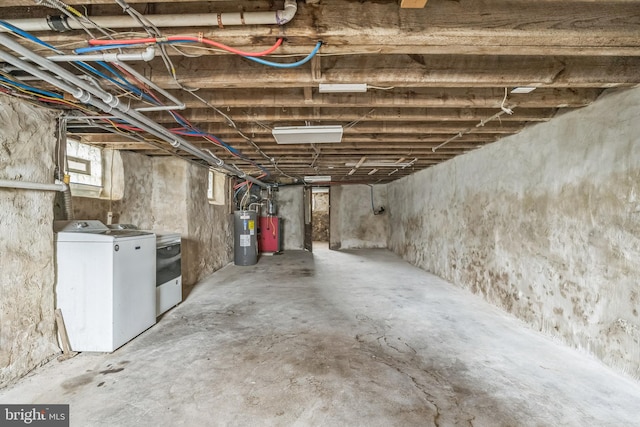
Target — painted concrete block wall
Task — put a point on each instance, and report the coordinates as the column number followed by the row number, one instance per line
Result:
column 353, row 224
column 291, row 210
column 545, row 224
column 27, row 325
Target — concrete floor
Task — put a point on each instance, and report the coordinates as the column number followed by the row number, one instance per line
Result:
column 334, row 338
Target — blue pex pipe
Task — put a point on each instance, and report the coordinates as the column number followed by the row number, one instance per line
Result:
column 290, row 65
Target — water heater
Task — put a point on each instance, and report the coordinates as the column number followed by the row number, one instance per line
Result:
column 245, row 240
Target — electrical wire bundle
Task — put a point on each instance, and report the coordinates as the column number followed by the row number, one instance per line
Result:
column 99, row 45
column 126, row 85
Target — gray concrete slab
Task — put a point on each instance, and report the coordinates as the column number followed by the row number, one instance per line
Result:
column 335, row 338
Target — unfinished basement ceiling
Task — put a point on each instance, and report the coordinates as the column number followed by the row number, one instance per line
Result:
column 436, row 77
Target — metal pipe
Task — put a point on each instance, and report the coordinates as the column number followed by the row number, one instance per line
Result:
column 108, row 103
column 222, row 19
column 26, row 185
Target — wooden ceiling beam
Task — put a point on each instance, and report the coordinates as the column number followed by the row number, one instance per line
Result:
column 402, row 71
column 26, row 3
column 276, row 115
column 397, row 98
column 495, row 27
column 357, row 142
column 380, row 128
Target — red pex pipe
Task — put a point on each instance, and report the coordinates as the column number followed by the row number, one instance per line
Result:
column 95, row 42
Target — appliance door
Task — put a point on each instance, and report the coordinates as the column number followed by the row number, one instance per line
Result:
column 168, row 262
column 168, row 276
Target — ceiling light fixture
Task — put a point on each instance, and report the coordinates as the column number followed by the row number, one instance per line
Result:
column 342, row 87
column 317, row 178
column 307, row 134
column 523, row 89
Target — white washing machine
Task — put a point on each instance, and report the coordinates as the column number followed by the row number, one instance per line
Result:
column 105, row 283
column 168, row 267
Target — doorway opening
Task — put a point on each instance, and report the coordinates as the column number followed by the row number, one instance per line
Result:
column 320, row 217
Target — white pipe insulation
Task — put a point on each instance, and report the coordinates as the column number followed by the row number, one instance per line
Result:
column 222, row 19
column 92, row 95
column 26, row 185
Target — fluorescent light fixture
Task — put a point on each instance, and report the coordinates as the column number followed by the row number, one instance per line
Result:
column 317, row 178
column 320, row 190
column 307, row 134
column 342, row 87
column 523, row 89
column 379, row 165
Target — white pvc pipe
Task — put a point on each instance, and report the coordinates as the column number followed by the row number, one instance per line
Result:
column 26, row 185
column 278, row 17
column 118, row 59
column 146, row 56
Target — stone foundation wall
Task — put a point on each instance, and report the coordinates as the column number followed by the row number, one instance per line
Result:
column 27, row 275
column 545, row 224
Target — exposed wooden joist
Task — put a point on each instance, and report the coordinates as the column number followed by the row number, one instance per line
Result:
column 411, row 71
column 497, row 27
column 27, row 3
column 397, row 98
column 276, row 115
column 380, row 128
column 357, row 141
column 448, row 65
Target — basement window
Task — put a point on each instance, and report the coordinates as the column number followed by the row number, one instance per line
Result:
column 84, row 164
column 79, row 166
column 216, row 188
